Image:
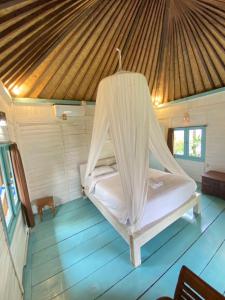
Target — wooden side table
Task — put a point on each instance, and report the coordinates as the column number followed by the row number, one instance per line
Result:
column 42, row 202
column 213, row 183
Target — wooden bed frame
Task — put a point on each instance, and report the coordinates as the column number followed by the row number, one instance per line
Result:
column 139, row 238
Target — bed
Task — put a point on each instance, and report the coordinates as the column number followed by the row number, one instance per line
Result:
column 169, row 198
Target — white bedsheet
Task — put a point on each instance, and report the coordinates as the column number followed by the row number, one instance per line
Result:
column 172, row 192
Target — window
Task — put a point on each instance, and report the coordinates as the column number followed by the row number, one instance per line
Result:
column 9, row 204
column 189, row 143
column 5, row 202
column 179, row 142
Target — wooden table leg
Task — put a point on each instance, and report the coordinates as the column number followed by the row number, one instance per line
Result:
column 53, row 209
column 40, row 213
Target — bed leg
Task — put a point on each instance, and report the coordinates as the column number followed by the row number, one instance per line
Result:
column 135, row 253
column 197, row 209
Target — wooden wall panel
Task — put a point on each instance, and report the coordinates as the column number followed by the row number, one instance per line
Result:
column 9, row 285
column 19, row 246
column 52, row 150
column 42, row 152
column 207, row 110
column 12, row 259
column 62, row 49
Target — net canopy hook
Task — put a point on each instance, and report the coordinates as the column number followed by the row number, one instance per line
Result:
column 120, row 59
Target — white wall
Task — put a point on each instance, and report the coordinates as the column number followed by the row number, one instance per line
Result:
column 6, row 133
column 12, row 259
column 9, row 283
column 52, row 150
column 208, row 110
column 19, row 246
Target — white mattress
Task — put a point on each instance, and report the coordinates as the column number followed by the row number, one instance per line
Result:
column 174, row 191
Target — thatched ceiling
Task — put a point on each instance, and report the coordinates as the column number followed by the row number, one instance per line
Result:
column 62, row 48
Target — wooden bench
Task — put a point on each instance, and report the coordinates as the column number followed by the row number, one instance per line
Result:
column 42, row 202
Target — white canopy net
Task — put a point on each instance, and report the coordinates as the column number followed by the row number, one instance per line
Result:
column 124, row 106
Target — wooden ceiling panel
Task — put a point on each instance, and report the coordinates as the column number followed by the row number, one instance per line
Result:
column 62, row 49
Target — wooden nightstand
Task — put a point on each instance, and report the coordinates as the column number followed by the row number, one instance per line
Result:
column 213, row 183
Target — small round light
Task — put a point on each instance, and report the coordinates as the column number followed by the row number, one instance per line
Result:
column 157, row 100
column 16, row 90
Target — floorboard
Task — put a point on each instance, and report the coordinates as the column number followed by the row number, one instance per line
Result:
column 214, row 272
column 207, row 245
column 78, row 255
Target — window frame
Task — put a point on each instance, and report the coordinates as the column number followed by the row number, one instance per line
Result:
column 4, row 148
column 186, row 155
column 5, row 156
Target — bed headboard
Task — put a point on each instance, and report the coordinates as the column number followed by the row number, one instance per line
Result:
column 101, row 162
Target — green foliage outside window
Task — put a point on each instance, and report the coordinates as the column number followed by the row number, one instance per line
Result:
column 189, row 143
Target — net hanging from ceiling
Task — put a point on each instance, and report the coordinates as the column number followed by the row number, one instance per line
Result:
column 124, row 106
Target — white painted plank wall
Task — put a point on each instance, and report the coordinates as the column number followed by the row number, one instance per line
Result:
column 19, row 246
column 52, row 150
column 10, row 282
column 6, row 133
column 42, row 153
column 208, row 110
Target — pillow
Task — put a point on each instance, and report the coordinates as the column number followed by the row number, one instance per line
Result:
column 154, row 184
column 102, row 171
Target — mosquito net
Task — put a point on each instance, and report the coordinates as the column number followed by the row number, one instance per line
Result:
column 124, row 106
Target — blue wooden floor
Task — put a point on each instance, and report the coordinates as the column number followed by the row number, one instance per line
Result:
column 78, row 255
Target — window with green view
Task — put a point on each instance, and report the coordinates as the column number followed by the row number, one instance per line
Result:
column 9, row 204
column 189, row 143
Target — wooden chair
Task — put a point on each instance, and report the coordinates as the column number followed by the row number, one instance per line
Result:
column 192, row 287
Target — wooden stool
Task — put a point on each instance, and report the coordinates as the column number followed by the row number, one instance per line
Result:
column 42, row 202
